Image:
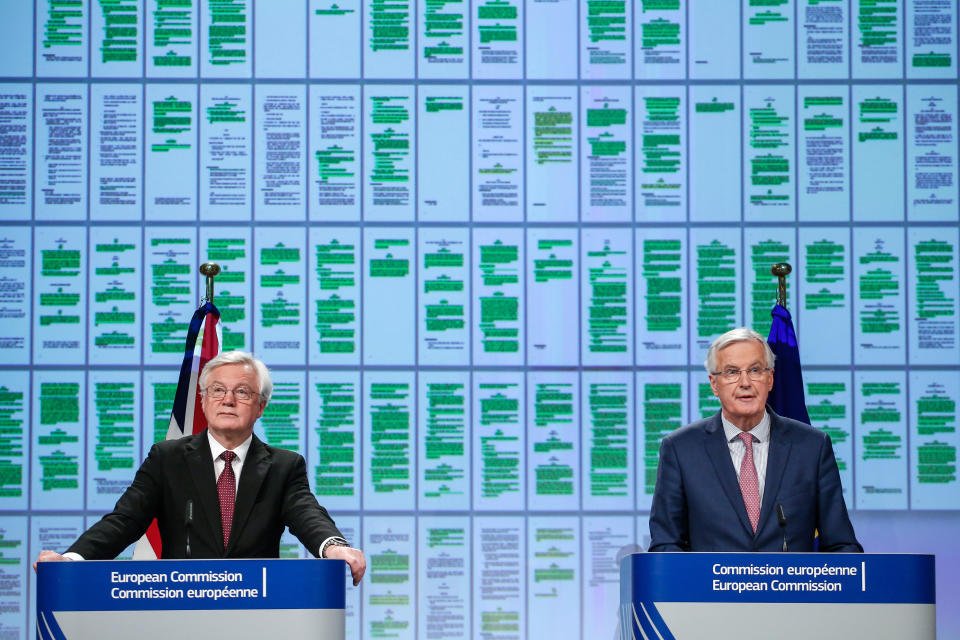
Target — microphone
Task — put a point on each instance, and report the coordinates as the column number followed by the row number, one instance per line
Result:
column 782, row 521
column 188, row 523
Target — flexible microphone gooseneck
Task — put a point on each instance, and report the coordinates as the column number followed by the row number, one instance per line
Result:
column 782, row 520
column 189, row 522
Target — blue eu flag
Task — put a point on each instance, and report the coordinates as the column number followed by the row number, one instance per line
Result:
column 786, row 398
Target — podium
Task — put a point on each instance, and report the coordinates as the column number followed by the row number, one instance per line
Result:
column 679, row 596
column 159, row 599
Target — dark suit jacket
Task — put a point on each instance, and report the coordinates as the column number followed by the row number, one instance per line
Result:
column 272, row 493
column 697, row 504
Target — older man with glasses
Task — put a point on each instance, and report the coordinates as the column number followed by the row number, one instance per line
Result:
column 747, row 479
column 243, row 492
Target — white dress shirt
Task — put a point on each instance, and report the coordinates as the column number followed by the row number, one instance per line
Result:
column 219, row 464
column 761, row 446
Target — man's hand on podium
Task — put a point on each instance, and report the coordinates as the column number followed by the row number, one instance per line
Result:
column 353, row 557
column 49, row 556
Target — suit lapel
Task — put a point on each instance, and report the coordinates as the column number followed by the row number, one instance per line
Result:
column 776, row 463
column 255, row 469
column 715, row 443
column 199, row 460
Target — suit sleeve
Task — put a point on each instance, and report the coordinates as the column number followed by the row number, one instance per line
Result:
column 301, row 512
column 131, row 516
column 669, row 524
column 833, row 522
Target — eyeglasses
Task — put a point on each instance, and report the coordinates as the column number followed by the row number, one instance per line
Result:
column 219, row 392
column 733, row 375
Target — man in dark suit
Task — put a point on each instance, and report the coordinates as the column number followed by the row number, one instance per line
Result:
column 242, row 493
column 720, row 479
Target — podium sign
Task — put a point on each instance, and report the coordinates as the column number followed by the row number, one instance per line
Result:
column 676, row 596
column 157, row 599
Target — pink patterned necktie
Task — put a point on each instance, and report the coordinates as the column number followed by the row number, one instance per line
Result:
column 227, row 490
column 749, row 486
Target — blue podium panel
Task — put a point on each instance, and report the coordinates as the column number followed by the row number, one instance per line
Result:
column 190, row 599
column 675, row 596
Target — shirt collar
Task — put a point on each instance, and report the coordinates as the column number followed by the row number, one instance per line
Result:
column 761, row 431
column 241, row 450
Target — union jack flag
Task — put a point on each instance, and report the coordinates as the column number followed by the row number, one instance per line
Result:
column 203, row 344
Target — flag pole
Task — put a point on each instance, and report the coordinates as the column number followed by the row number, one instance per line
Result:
column 211, row 270
column 186, row 418
column 786, row 397
column 781, row 270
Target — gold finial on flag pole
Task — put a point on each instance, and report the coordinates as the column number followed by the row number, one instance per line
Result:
column 781, row 270
column 210, row 270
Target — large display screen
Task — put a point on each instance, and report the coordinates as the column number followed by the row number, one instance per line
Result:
column 484, row 247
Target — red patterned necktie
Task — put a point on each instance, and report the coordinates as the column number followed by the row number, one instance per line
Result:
column 227, row 490
column 749, row 486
